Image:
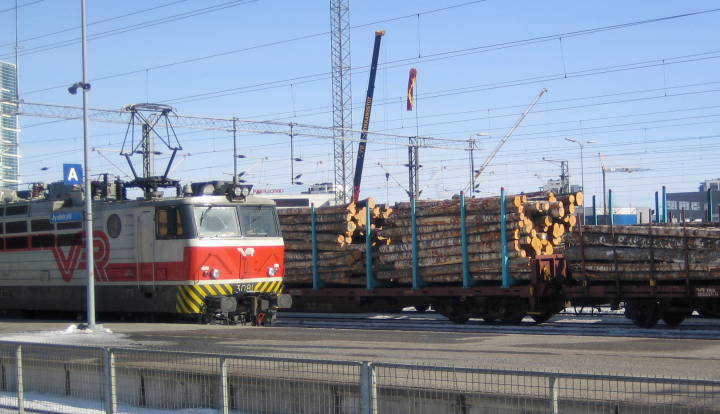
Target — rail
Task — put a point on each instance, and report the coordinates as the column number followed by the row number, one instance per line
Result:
column 65, row 379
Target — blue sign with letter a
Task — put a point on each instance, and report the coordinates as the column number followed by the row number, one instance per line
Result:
column 72, row 174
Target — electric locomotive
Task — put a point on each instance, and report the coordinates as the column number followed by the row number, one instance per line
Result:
column 212, row 252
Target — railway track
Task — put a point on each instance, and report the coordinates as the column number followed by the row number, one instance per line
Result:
column 596, row 324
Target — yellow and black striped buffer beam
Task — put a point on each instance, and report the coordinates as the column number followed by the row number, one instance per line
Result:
column 191, row 299
column 268, row 287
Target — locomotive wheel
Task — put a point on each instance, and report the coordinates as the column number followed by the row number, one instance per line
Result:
column 645, row 313
column 673, row 319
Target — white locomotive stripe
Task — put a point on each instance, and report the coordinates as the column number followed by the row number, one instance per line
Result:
column 136, row 283
column 264, row 241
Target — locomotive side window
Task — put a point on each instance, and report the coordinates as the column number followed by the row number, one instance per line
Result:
column 70, row 225
column 41, row 225
column 16, row 210
column 74, row 239
column 259, row 221
column 114, row 226
column 16, row 227
column 216, row 221
column 169, row 223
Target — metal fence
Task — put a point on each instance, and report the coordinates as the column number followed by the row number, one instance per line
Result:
column 68, row 379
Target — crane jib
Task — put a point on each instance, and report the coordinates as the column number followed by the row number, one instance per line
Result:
column 366, row 117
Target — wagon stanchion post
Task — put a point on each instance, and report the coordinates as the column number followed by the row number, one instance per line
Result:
column 316, row 282
column 110, row 381
column 664, row 205
column 709, row 205
column 594, row 208
column 368, row 389
column 369, row 277
column 610, row 208
column 507, row 280
column 467, row 279
column 19, row 375
column 224, row 391
column 553, row 394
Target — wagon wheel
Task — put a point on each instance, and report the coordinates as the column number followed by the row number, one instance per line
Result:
column 673, row 319
column 543, row 317
column 422, row 308
column 459, row 317
column 644, row 314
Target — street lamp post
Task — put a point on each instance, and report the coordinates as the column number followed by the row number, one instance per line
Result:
column 89, row 242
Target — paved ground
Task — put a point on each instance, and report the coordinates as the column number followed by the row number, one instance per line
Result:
column 651, row 356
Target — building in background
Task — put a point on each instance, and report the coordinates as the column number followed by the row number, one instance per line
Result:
column 319, row 195
column 9, row 128
column 693, row 206
column 622, row 216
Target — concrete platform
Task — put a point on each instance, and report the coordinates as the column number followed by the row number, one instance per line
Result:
column 691, row 358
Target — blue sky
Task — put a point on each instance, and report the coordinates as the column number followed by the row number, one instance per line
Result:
column 647, row 94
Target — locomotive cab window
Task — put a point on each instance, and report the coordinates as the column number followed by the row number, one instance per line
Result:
column 258, row 221
column 169, row 222
column 216, row 221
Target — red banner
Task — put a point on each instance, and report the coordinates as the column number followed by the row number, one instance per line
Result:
column 411, row 89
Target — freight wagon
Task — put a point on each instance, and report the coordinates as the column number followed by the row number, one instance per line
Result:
column 548, row 284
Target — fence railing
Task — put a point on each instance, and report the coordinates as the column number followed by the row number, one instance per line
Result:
column 68, row 379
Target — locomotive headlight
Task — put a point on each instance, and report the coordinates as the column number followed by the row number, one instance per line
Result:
column 215, row 274
column 272, row 271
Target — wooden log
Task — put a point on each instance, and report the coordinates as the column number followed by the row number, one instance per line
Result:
column 645, row 267
column 670, row 230
column 321, row 237
column 443, row 260
column 644, row 241
column 471, row 219
column 330, row 258
column 337, row 228
column 478, row 227
column 645, row 276
column 319, row 218
column 482, row 232
column 306, row 246
column 632, row 254
column 429, row 250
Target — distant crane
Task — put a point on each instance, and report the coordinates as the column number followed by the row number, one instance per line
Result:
column 564, row 174
column 605, row 169
column 504, row 139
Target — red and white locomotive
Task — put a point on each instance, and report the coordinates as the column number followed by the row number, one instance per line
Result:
column 215, row 253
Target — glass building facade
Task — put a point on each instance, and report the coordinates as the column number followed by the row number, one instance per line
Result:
column 9, row 128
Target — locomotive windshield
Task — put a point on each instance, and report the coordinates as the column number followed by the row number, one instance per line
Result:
column 216, row 221
column 258, row 221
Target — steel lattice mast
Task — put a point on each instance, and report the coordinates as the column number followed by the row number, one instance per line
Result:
column 342, row 96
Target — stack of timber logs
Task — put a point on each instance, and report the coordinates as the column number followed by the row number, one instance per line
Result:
column 340, row 233
column 645, row 252
column 534, row 226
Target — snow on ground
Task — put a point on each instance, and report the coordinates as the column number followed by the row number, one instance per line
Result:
column 72, row 335
column 45, row 403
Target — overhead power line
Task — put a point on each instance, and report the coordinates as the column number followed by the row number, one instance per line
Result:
column 430, row 57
